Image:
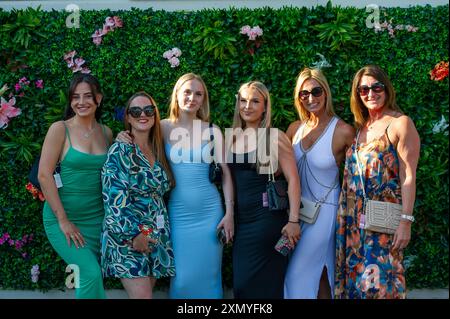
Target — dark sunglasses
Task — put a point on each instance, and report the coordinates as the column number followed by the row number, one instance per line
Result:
column 136, row 111
column 378, row 87
column 316, row 92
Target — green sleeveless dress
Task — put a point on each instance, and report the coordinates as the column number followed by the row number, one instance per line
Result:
column 81, row 197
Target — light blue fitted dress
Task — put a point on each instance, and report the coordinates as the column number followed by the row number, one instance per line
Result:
column 195, row 210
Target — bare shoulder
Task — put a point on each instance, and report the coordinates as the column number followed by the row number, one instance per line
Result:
column 293, row 128
column 345, row 130
column 109, row 132
column 57, row 128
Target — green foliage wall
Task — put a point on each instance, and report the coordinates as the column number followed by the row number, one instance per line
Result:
column 33, row 43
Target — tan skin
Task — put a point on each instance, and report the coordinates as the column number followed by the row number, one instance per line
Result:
column 141, row 288
column 190, row 98
column 56, row 146
column 405, row 138
column 316, row 124
column 251, row 110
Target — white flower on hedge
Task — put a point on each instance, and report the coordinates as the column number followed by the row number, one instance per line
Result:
column 35, row 273
column 176, row 52
column 441, row 126
column 323, row 63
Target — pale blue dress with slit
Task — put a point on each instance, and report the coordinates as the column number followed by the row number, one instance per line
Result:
column 316, row 248
column 195, row 209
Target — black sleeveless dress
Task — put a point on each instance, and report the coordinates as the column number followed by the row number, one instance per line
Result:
column 258, row 269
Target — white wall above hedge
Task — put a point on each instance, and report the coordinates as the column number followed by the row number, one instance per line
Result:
column 173, row 5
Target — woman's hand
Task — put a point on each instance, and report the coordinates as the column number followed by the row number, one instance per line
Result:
column 227, row 223
column 71, row 232
column 402, row 235
column 292, row 231
column 124, row 137
column 141, row 243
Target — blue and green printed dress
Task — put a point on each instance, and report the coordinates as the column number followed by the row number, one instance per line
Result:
column 132, row 196
column 366, row 265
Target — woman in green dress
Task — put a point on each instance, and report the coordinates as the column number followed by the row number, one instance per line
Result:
column 73, row 211
column 136, row 245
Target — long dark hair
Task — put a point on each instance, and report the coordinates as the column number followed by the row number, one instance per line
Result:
column 94, row 84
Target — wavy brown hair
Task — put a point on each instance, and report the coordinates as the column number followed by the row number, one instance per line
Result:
column 154, row 137
column 357, row 106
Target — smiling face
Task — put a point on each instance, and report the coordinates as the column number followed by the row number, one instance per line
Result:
column 83, row 102
column 191, row 96
column 372, row 101
column 143, row 123
column 311, row 103
column 251, row 106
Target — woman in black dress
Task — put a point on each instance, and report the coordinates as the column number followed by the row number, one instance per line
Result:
column 255, row 150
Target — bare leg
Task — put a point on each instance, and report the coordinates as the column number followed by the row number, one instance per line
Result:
column 138, row 288
column 324, row 286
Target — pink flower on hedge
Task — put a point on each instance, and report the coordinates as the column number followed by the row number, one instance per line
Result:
column 39, row 84
column 245, row 29
column 174, row 62
column 77, row 64
column 110, row 24
column 252, row 33
column 8, row 111
column 172, row 56
column 97, row 36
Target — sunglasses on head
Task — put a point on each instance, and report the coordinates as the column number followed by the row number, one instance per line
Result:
column 378, row 87
column 136, row 111
column 316, row 92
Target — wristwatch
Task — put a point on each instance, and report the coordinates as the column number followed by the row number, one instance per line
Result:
column 407, row 217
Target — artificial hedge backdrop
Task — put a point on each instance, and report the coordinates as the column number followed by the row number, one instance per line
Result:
column 130, row 58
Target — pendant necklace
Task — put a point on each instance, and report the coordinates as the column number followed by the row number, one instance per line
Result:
column 89, row 133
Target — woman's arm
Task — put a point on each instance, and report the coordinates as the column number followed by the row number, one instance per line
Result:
column 288, row 166
column 408, row 150
column 227, row 221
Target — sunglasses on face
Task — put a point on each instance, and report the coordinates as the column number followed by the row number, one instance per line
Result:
column 136, row 111
column 378, row 87
column 316, row 92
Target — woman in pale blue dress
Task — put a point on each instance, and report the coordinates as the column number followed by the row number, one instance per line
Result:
column 320, row 140
column 195, row 206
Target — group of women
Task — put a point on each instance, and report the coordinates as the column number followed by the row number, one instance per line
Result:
column 110, row 218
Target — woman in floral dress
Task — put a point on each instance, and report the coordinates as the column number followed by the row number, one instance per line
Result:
column 136, row 244
column 369, row 265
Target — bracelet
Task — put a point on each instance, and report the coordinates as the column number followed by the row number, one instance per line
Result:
column 293, row 222
column 229, row 201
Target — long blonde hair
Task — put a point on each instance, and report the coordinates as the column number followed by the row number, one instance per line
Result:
column 359, row 110
column 264, row 138
column 154, row 137
column 317, row 75
column 174, row 108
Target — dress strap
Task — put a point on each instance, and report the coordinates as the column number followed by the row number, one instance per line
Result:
column 386, row 131
column 67, row 133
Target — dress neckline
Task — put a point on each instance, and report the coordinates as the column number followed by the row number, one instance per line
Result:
column 317, row 140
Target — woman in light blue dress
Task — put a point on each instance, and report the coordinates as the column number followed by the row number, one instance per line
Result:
column 320, row 140
column 195, row 206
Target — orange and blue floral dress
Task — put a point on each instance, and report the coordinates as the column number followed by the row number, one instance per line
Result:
column 366, row 265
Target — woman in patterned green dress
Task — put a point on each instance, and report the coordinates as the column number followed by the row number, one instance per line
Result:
column 369, row 265
column 136, row 245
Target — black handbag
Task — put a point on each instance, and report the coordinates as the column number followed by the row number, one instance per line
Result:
column 33, row 175
column 277, row 195
column 215, row 170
